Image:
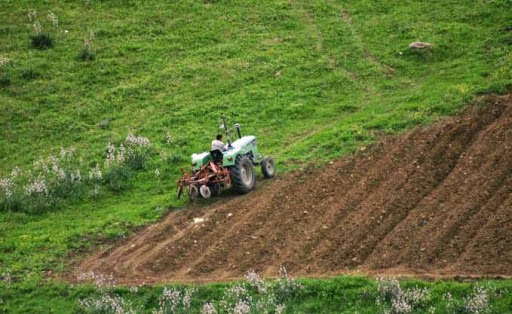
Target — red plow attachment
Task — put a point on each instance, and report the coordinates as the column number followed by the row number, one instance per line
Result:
column 207, row 181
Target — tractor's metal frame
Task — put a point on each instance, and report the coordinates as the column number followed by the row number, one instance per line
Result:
column 212, row 174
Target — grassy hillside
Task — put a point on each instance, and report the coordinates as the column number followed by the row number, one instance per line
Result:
column 310, row 79
column 313, row 80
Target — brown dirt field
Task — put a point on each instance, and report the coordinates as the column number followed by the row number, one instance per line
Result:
column 435, row 201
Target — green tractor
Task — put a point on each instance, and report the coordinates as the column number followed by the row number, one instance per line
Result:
column 217, row 170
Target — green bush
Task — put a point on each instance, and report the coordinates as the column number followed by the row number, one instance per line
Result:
column 5, row 79
column 118, row 178
column 29, row 74
column 66, row 189
column 136, row 159
column 40, row 203
column 41, row 41
column 86, row 54
column 11, row 204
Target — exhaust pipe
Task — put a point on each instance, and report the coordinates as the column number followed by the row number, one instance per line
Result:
column 225, row 126
column 237, row 127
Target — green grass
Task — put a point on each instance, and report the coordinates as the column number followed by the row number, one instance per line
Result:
column 313, row 80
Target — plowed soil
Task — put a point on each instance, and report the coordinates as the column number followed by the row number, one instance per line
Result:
column 434, row 201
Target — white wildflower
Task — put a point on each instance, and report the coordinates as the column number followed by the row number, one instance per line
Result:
column 187, row 298
column 7, row 186
column 4, row 61
column 208, row 308
column 168, row 138
column 31, row 14
column 402, row 301
column 95, row 173
column 37, row 28
column 88, row 44
column 137, row 140
column 400, row 304
column 53, row 18
column 55, row 163
column 236, row 292
column 61, row 174
column 170, row 300
column 110, row 154
column 121, row 154
column 6, row 278
column 62, row 152
column 37, row 186
column 15, row 172
column 255, row 280
column 157, row 173
column 286, row 284
column 242, row 307
column 107, row 304
column 478, row 302
column 280, row 308
column 78, row 176
column 41, row 165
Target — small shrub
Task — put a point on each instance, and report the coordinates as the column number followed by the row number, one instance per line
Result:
column 96, row 192
column 41, row 41
column 286, row 286
column 476, row 303
column 29, row 74
column 137, row 151
column 136, row 160
column 107, row 304
column 400, row 300
column 118, row 178
column 5, row 79
column 175, row 301
column 86, row 53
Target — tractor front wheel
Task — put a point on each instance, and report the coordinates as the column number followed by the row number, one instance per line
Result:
column 242, row 175
column 267, row 167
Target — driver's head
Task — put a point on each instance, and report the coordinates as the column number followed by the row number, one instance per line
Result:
column 219, row 137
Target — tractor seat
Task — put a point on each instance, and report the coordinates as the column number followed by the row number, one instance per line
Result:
column 217, row 156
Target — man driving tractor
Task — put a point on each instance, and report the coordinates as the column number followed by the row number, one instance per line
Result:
column 217, row 144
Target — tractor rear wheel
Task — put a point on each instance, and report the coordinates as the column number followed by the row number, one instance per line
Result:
column 267, row 167
column 242, row 175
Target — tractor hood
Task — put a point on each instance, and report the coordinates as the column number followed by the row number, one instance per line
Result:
column 241, row 142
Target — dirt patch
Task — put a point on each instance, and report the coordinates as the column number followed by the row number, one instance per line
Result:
column 435, row 201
